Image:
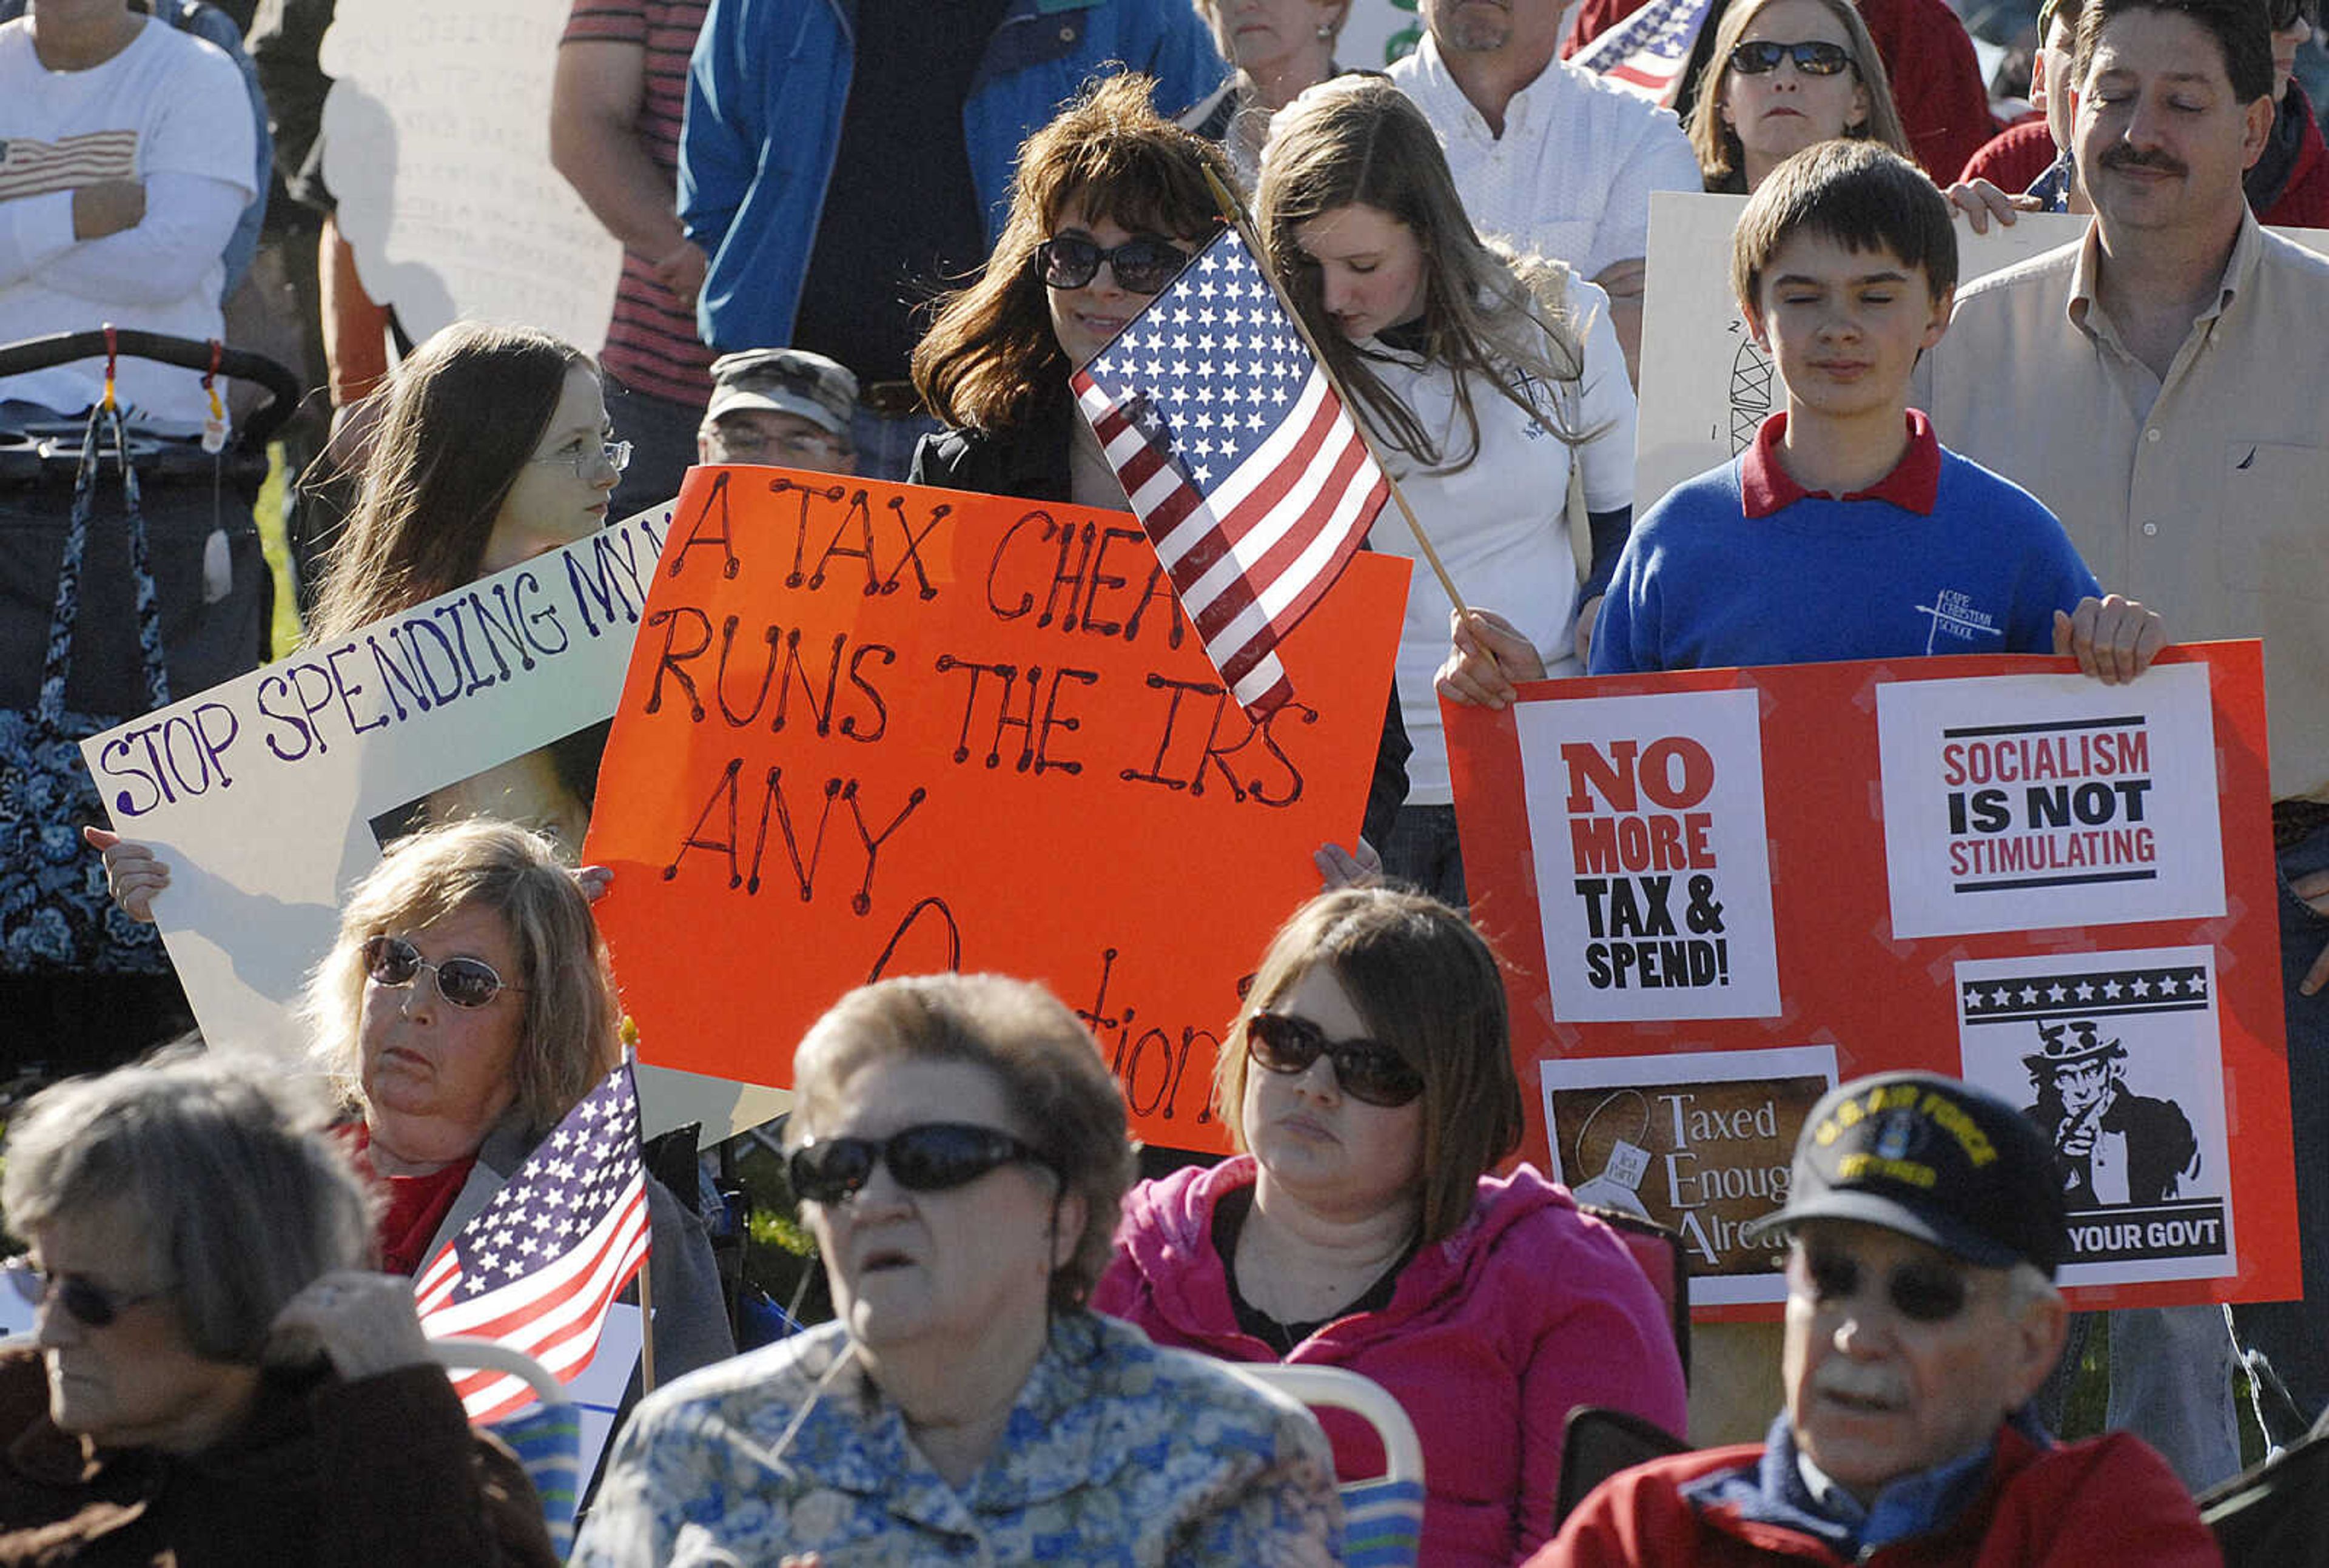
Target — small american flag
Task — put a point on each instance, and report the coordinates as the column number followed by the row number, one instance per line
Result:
column 537, row 1270
column 1648, row 52
column 39, row 168
column 1238, row 457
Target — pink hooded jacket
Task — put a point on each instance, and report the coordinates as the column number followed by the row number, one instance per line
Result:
column 1492, row 1336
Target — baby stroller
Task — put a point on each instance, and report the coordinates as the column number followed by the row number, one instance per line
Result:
column 170, row 595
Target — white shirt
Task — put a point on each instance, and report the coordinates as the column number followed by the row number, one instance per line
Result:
column 1496, row 521
column 1571, row 176
column 170, row 111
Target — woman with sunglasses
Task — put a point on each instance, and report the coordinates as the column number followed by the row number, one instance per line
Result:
column 465, row 1009
column 1109, row 201
column 1367, row 1085
column 1493, row 386
column 1787, row 74
column 491, row 446
column 960, row 1153
column 213, row 1379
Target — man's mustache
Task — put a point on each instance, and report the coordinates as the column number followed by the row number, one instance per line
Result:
column 2128, row 158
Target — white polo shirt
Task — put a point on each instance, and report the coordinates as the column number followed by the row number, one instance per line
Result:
column 1571, row 176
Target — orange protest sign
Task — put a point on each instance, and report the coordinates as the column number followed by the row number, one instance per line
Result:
column 876, row 729
column 1721, row 893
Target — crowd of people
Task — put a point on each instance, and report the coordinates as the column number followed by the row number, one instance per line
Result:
column 878, row 239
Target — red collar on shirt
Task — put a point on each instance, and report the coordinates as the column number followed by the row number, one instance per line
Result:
column 1914, row 485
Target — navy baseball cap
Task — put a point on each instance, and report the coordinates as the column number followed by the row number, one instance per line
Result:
column 1932, row 1158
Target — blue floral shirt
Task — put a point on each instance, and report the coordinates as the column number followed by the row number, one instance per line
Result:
column 1117, row 1453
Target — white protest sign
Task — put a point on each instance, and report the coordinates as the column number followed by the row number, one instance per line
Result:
column 2117, row 1056
column 271, row 795
column 2090, row 807
column 1656, row 888
column 1704, row 385
column 437, row 146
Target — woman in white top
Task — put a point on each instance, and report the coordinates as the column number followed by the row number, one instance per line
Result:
column 1489, row 381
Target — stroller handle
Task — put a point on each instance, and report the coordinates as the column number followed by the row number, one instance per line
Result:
column 282, row 387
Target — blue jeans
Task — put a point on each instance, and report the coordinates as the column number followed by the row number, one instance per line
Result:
column 1423, row 852
column 885, row 442
column 2294, row 1336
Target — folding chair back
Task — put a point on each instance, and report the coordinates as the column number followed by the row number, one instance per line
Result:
column 1659, row 1251
column 1383, row 1517
column 546, row 1438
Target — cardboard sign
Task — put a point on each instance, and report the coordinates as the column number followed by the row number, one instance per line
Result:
column 876, row 730
column 1705, row 386
column 436, row 147
column 2138, row 1018
column 270, row 795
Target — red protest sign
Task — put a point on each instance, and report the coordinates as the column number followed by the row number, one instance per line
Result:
column 876, row 729
column 1721, row 891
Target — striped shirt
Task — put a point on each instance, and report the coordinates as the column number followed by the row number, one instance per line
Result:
column 652, row 344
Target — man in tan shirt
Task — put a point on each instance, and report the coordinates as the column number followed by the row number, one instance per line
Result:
column 2161, row 385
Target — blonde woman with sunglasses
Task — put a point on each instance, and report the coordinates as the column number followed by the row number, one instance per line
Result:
column 1785, row 75
column 465, row 1009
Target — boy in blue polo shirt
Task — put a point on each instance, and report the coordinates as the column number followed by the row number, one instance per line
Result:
column 1846, row 530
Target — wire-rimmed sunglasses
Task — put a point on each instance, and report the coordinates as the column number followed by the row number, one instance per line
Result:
column 92, row 1305
column 1366, row 1071
column 465, row 982
column 1814, row 57
column 933, row 1157
column 1142, row 265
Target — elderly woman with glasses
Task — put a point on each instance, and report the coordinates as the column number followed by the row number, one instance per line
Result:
column 465, row 1009
column 1368, row 1084
column 960, row 1153
column 212, row 1380
column 491, row 446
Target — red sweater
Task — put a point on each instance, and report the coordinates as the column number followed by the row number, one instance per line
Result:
column 1935, row 81
column 2014, row 157
column 2105, row 1501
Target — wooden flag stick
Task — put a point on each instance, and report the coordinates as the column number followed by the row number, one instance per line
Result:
column 1234, row 212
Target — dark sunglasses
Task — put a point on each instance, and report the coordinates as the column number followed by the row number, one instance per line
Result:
column 2283, row 13
column 1141, row 266
column 463, row 982
column 1375, row 1074
column 91, row 1306
column 1922, row 1293
column 935, row 1157
column 1816, row 58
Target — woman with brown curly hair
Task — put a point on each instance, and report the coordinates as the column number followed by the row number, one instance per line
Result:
column 1110, row 203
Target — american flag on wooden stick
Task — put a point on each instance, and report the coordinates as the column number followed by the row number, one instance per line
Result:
column 1238, row 458
column 538, row 1269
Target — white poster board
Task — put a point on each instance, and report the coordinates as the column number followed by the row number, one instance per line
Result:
column 1656, row 887
column 1704, row 385
column 436, row 144
column 270, row 796
column 2082, row 808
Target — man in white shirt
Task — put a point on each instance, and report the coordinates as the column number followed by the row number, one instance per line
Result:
column 126, row 152
column 1548, row 157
